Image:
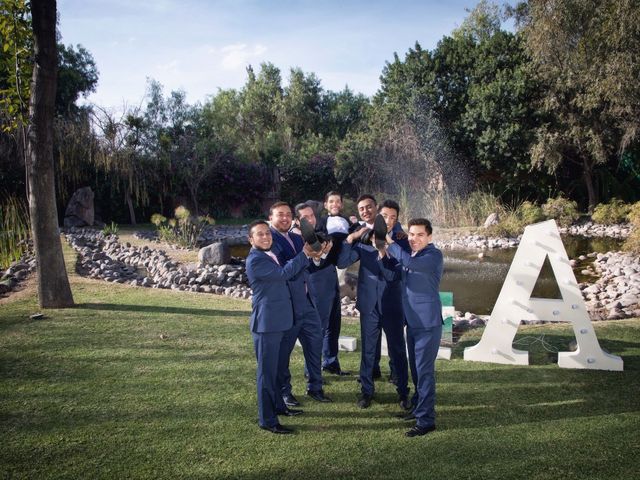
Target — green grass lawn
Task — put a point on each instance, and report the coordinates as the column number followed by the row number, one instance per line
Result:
column 95, row 392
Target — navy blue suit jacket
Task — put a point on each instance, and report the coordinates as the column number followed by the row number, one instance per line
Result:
column 421, row 276
column 297, row 284
column 371, row 278
column 271, row 302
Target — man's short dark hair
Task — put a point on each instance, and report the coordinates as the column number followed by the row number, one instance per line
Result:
column 390, row 204
column 331, row 194
column 302, row 206
column 255, row 223
column 278, row 204
column 421, row 221
column 365, row 196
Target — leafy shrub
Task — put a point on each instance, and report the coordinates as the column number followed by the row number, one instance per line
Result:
column 632, row 243
column 510, row 225
column 633, row 216
column 111, row 229
column 562, row 210
column 512, row 221
column 611, row 213
column 307, row 179
column 183, row 229
column 235, row 183
column 529, row 213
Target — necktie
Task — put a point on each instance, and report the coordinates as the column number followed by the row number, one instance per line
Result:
column 273, row 256
column 286, row 235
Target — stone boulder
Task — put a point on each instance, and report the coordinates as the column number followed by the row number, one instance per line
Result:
column 218, row 253
column 80, row 211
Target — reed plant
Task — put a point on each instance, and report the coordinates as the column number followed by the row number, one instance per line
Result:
column 447, row 210
column 14, row 230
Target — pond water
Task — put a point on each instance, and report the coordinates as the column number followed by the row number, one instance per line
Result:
column 476, row 283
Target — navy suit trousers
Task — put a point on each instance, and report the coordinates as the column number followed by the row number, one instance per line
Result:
column 308, row 330
column 331, row 332
column 370, row 326
column 267, row 348
column 423, row 349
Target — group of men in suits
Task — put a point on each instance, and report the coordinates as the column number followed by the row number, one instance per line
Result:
column 398, row 285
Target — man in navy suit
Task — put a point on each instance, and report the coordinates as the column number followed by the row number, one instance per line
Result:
column 374, row 299
column 323, row 281
column 421, row 272
column 392, row 314
column 271, row 317
column 306, row 323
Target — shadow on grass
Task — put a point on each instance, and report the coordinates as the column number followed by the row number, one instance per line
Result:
column 114, row 307
column 543, row 349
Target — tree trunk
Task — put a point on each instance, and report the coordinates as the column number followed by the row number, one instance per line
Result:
column 132, row 212
column 587, row 175
column 53, row 284
column 194, row 200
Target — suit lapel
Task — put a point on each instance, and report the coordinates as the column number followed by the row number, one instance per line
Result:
column 283, row 242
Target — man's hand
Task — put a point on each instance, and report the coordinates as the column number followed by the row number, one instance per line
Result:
column 308, row 251
column 390, row 240
column 326, row 246
column 401, row 235
column 352, row 237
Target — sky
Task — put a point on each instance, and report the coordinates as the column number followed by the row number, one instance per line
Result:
column 202, row 46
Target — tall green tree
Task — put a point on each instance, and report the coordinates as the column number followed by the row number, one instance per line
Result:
column 302, row 103
column 77, row 76
column 260, row 118
column 586, row 55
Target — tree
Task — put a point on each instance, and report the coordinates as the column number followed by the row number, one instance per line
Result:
column 195, row 155
column 16, row 42
column 341, row 112
column 586, row 54
column 53, row 284
column 260, row 117
column 301, row 103
column 500, row 117
column 477, row 83
column 77, row 75
column 121, row 156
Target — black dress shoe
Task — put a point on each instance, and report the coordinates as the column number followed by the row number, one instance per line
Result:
column 277, row 428
column 318, row 395
column 408, row 417
column 364, row 401
column 290, row 400
column 377, row 374
column 309, row 235
column 290, row 412
column 405, row 404
column 335, row 370
column 380, row 231
column 418, row 431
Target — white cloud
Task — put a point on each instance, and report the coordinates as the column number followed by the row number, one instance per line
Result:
column 238, row 55
column 171, row 66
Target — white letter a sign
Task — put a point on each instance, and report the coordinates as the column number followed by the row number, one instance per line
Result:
column 514, row 303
